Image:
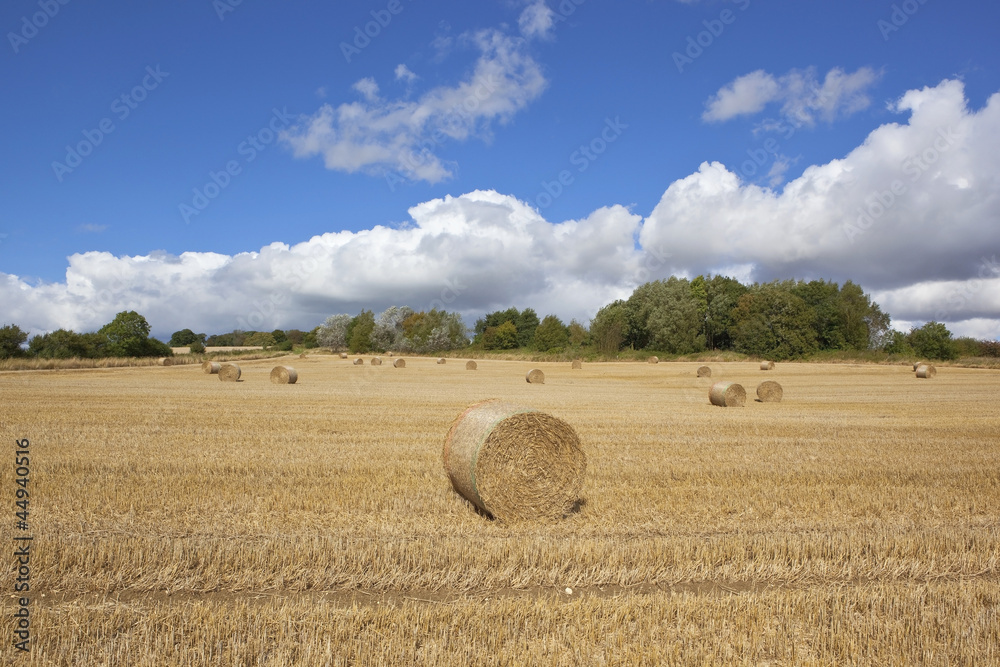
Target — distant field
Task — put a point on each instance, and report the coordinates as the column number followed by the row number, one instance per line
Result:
column 182, row 520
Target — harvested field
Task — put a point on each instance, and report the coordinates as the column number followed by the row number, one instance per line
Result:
column 172, row 513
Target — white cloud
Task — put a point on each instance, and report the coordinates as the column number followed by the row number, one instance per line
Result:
column 90, row 228
column 368, row 88
column 404, row 73
column 932, row 251
column 536, row 20
column 803, row 97
column 403, row 136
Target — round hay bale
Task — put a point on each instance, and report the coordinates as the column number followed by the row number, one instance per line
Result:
column 399, row 363
column 769, row 391
column 165, row 361
column 376, row 361
column 343, row 355
column 535, row 376
column 727, row 395
column 441, row 360
column 916, row 365
column 653, row 360
column 302, row 356
column 577, row 364
column 767, row 365
column 704, row 372
column 926, row 371
column 211, row 367
column 390, row 354
column 359, row 362
column 514, row 462
column 470, row 365
column 284, row 375
column 230, row 373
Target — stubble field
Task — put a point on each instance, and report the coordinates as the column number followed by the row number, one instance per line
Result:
column 183, row 520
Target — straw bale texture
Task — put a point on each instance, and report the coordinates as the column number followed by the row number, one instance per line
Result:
column 704, row 372
column 284, row 375
column 211, row 367
column 769, row 391
column 535, row 376
column 727, row 395
column 230, row 373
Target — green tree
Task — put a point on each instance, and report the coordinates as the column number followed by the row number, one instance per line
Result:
column 897, row 342
column 610, row 328
column 503, row 337
column 11, row 339
column 197, row 347
column 526, row 323
column 185, row 337
column 361, row 328
column 128, row 336
column 279, row 336
column 933, row 341
column 770, row 321
column 551, row 335
column 667, row 315
column 578, row 334
column 722, row 294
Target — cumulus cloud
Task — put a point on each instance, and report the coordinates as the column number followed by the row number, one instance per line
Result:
column 803, row 97
column 402, row 136
column 404, row 73
column 536, row 20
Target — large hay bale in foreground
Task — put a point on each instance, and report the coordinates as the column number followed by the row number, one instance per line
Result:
column 470, row 365
column 399, row 363
column 926, row 371
column 727, row 395
column 514, row 462
column 577, row 364
column 230, row 373
column 653, row 360
column 535, row 376
column 359, row 362
column 211, row 367
column 704, row 372
column 376, row 361
column 769, row 391
column 284, row 375
column 442, row 360
column 767, row 365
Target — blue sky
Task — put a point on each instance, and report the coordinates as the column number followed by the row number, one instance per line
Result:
column 420, row 164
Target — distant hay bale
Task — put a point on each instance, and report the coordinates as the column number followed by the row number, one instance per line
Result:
column 926, row 371
column 284, row 375
column 302, row 356
column 343, row 355
column 577, row 364
column 230, row 373
column 704, row 372
column 376, row 361
column 390, row 354
column 211, row 367
column 165, row 361
column 769, row 391
column 916, row 365
column 441, row 360
column 399, row 363
column 727, row 395
column 653, row 360
column 535, row 376
column 767, row 365
column 515, row 463
column 470, row 365
column 359, row 362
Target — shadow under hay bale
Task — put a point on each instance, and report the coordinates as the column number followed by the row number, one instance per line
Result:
column 211, row 367
column 230, row 373
column 767, row 365
column 399, row 363
column 515, row 463
column 727, row 395
column 470, row 366
column 653, row 360
column 769, row 391
column 704, row 372
column 376, row 361
column 926, row 371
column 284, row 375
column 577, row 364
column 535, row 376
column 442, row 360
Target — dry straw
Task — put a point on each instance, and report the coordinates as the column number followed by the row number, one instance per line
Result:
column 230, row 373
column 343, row 355
column 211, row 367
column 515, row 463
column 916, row 365
column 653, row 360
column 470, row 365
column 727, row 395
column 284, row 375
column 376, row 361
column 535, row 376
column 769, row 391
column 767, row 365
column 926, row 371
column 165, row 361
column 399, row 363
column 359, row 362
column 302, row 356
column 704, row 372
column 441, row 360
column 577, row 364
